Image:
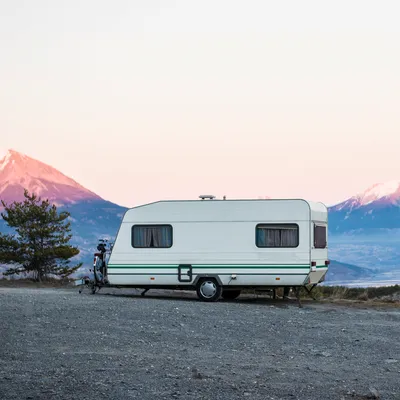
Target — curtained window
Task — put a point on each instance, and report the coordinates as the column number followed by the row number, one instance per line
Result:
column 320, row 237
column 152, row 236
column 277, row 235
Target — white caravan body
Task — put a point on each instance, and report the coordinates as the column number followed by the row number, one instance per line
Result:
column 239, row 243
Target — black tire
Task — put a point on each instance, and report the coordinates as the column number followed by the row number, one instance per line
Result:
column 208, row 289
column 230, row 294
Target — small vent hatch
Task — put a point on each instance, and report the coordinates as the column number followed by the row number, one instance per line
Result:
column 207, row 196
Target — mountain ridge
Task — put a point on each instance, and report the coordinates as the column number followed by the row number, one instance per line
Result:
column 383, row 193
column 19, row 171
column 378, row 207
column 91, row 216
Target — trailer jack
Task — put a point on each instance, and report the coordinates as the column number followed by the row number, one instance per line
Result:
column 94, row 285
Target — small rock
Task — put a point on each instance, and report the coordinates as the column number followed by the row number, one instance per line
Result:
column 196, row 374
column 374, row 393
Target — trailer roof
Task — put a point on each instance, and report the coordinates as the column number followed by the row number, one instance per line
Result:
column 152, row 211
column 313, row 204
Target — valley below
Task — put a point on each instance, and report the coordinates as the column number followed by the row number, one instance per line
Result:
column 376, row 256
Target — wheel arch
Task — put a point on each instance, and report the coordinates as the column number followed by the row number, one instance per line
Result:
column 203, row 276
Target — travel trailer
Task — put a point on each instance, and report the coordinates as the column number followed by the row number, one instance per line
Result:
column 220, row 247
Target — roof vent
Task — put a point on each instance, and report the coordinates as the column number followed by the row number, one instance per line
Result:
column 207, row 196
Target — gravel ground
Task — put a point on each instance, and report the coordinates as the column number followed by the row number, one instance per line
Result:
column 57, row 344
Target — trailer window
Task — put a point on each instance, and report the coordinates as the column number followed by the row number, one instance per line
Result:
column 277, row 235
column 319, row 236
column 151, row 236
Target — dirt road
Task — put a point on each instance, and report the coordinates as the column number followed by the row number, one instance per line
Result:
column 57, row 344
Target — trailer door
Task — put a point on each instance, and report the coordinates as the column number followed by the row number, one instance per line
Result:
column 319, row 251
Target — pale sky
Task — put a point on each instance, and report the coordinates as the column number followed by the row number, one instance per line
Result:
column 146, row 100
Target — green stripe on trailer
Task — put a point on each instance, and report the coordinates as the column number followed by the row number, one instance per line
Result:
column 174, row 274
column 209, row 266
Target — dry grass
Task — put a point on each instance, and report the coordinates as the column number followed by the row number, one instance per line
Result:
column 362, row 294
column 373, row 296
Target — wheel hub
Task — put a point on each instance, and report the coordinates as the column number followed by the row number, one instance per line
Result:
column 208, row 289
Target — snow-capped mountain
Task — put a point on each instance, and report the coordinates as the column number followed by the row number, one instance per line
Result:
column 91, row 216
column 18, row 171
column 387, row 193
column 378, row 207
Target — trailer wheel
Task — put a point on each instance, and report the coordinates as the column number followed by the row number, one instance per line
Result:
column 230, row 294
column 208, row 289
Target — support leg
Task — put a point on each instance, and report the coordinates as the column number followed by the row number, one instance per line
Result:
column 310, row 290
column 81, row 289
column 86, row 285
column 297, row 292
column 286, row 291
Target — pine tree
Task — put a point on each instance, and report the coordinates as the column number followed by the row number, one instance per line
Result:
column 41, row 243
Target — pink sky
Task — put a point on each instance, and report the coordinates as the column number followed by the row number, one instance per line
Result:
column 147, row 100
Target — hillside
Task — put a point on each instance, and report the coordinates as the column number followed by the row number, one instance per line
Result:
column 341, row 272
column 378, row 207
column 92, row 217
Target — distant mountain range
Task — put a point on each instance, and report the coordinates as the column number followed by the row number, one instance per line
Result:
column 92, row 217
column 378, row 208
column 342, row 272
